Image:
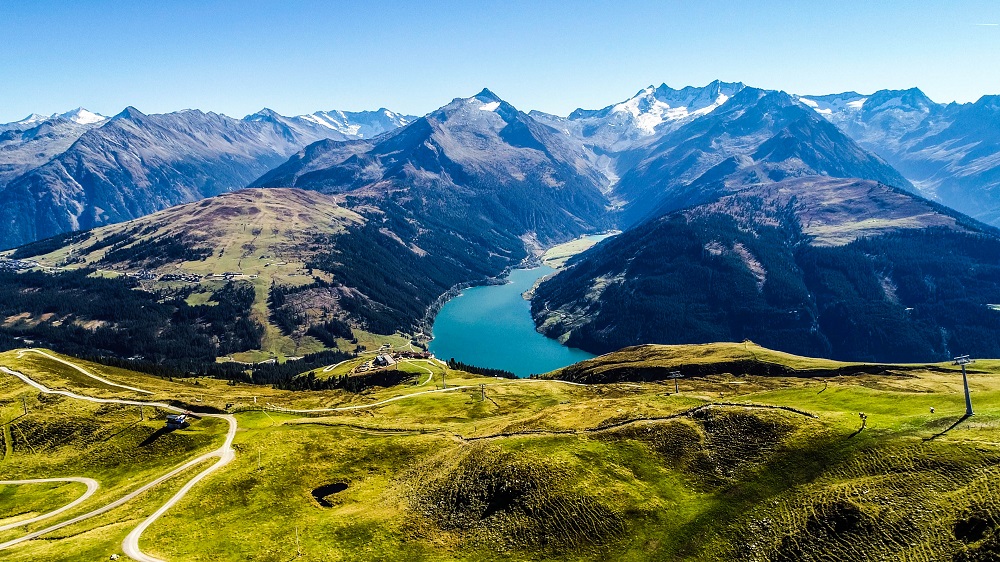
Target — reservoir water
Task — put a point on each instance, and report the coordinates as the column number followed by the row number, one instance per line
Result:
column 491, row 326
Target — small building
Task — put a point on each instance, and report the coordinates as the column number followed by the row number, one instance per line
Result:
column 384, row 360
column 177, row 421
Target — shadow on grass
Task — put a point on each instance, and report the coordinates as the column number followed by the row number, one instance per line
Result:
column 122, row 430
column 950, row 427
column 156, row 435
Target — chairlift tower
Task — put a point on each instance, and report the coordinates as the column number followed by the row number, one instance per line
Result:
column 964, row 360
column 675, row 375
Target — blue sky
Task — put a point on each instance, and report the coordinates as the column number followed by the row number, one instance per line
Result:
column 298, row 56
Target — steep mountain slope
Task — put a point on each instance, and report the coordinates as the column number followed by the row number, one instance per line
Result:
column 755, row 136
column 477, row 161
column 839, row 268
column 949, row 152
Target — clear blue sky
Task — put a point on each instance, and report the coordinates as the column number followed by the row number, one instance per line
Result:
column 298, row 56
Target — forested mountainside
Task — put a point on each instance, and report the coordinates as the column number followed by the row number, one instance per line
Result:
column 307, row 269
column 847, row 269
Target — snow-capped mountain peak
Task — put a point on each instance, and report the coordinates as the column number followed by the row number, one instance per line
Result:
column 653, row 106
column 82, row 116
column 359, row 124
column 834, row 103
column 912, row 100
column 654, row 110
column 30, row 120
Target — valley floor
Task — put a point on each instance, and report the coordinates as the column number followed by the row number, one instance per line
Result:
column 732, row 467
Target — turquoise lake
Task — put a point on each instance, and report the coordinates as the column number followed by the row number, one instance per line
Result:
column 491, row 326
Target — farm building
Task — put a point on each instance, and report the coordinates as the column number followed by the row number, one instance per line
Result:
column 385, row 360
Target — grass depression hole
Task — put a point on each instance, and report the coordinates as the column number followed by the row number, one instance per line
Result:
column 327, row 490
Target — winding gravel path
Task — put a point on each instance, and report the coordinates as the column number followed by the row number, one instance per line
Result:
column 332, row 367
column 363, row 406
column 91, row 484
column 21, row 352
column 430, row 373
column 130, row 546
column 225, row 455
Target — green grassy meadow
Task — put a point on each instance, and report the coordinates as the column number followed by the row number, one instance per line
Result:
column 734, row 467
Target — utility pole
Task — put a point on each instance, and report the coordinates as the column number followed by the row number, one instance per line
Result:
column 482, row 392
column 964, row 360
column 142, row 417
column 675, row 375
column 24, row 405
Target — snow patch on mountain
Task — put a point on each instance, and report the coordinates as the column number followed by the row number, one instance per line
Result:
column 834, row 104
column 361, row 124
column 30, row 120
column 653, row 106
column 83, row 117
column 80, row 116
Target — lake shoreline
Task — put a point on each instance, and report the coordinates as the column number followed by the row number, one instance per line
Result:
column 481, row 323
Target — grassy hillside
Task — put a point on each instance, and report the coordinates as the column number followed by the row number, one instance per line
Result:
column 322, row 273
column 734, row 467
column 656, row 362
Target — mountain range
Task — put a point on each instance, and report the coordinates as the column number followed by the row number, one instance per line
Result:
column 477, row 160
column 52, row 169
column 948, row 151
column 80, row 170
column 748, row 213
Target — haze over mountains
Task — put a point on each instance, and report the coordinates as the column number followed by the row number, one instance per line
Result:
column 808, row 214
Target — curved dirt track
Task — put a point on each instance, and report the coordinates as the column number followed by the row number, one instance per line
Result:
column 81, row 369
column 225, row 454
column 130, row 546
column 91, row 484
